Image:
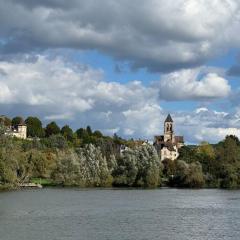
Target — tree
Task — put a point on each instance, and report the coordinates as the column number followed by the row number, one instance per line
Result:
column 67, row 132
column 81, row 132
column 206, row 155
column 86, row 135
column 51, row 129
column 34, row 127
column 188, row 154
column 229, row 176
column 149, row 167
column 188, row 175
column 97, row 134
column 89, row 130
column 138, row 167
column 56, row 141
column 169, row 167
column 7, row 122
column 228, row 151
column 2, row 130
column 85, row 167
column 194, row 178
column 17, row 120
column 235, row 138
column 126, row 172
column 205, row 149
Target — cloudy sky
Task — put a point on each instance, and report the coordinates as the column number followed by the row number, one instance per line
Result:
column 122, row 66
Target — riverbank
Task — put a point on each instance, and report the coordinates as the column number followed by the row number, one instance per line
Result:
column 98, row 166
column 46, row 183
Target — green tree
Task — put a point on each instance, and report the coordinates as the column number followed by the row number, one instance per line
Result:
column 17, row 120
column 98, row 134
column 206, row 150
column 138, row 167
column 188, row 175
column 34, row 127
column 52, row 129
column 194, row 178
column 7, row 122
column 229, row 176
column 89, row 130
column 80, row 132
column 67, row 132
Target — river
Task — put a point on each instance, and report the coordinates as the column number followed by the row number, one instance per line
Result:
column 74, row 214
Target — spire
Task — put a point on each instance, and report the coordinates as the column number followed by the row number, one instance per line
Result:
column 169, row 118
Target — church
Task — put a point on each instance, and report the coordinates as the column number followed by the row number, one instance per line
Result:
column 167, row 145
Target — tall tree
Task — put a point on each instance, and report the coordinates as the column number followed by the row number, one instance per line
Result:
column 80, row 132
column 228, row 150
column 34, row 127
column 67, row 132
column 52, row 129
column 89, row 130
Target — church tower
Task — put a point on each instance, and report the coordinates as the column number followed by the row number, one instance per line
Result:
column 168, row 129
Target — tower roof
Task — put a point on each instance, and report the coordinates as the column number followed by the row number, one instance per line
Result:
column 169, row 118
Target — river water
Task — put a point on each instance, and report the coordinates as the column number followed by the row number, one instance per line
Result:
column 64, row 214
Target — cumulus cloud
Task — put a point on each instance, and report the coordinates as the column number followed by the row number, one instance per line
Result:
column 156, row 34
column 192, row 84
column 67, row 92
column 204, row 124
column 56, row 89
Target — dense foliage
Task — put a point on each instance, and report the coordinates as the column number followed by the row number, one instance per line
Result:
column 83, row 158
column 87, row 158
column 220, row 163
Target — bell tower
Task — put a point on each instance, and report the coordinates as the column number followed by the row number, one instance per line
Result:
column 168, row 129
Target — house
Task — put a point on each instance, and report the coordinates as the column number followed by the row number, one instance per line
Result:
column 167, row 145
column 19, row 131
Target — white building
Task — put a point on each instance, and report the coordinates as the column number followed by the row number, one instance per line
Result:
column 19, row 131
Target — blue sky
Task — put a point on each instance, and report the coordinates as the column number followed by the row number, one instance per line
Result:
column 120, row 70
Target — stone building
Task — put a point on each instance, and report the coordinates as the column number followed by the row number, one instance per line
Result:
column 19, row 131
column 167, row 145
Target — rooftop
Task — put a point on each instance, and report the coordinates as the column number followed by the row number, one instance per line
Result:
column 169, row 118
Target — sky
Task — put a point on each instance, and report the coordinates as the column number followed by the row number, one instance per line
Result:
column 122, row 66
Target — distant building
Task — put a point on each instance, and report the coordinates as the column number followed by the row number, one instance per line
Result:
column 19, row 131
column 168, row 144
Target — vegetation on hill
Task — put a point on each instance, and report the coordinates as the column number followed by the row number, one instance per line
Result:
column 86, row 158
column 211, row 165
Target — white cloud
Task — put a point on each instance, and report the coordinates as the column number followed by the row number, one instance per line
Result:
column 202, row 109
column 5, row 93
column 145, row 121
column 189, row 84
column 56, row 89
column 206, row 125
column 215, row 134
column 160, row 35
column 67, row 92
column 64, row 116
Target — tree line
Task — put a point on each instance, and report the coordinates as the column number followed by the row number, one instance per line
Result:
column 87, row 158
column 82, row 158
